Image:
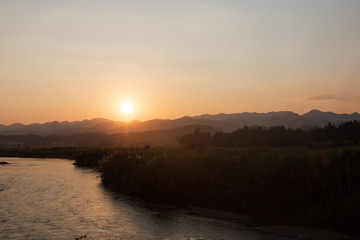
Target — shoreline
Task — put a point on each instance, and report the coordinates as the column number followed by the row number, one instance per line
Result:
column 58, row 153
column 277, row 223
column 313, row 187
column 222, row 210
column 283, row 229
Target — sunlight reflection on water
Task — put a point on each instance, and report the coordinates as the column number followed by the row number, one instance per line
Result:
column 52, row 199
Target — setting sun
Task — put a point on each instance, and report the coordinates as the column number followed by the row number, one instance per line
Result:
column 127, row 108
column 181, row 119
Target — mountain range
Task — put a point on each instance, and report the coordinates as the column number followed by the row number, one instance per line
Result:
column 219, row 122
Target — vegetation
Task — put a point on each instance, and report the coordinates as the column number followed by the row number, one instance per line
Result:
column 313, row 174
column 330, row 135
column 91, row 157
column 322, row 184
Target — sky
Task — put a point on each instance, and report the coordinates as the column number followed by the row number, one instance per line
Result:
column 81, row 59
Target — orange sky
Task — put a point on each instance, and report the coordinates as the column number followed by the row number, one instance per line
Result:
column 74, row 60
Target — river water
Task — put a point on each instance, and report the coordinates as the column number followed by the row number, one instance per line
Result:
column 53, row 199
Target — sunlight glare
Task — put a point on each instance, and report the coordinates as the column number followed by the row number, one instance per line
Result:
column 127, row 108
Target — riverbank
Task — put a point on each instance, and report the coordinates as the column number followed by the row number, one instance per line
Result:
column 276, row 225
column 316, row 184
column 62, row 153
column 318, row 187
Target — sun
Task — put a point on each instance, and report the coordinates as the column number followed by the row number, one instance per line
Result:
column 127, row 108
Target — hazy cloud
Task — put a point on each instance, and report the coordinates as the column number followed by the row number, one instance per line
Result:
column 321, row 98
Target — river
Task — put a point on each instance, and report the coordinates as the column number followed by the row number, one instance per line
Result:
column 53, row 199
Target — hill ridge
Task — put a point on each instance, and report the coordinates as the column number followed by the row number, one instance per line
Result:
column 222, row 121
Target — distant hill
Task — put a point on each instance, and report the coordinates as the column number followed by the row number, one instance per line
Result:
column 97, row 125
column 220, row 122
column 320, row 118
column 166, row 137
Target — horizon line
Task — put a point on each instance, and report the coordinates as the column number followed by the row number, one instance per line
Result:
column 184, row 116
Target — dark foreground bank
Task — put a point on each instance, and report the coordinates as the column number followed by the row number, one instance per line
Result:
column 317, row 184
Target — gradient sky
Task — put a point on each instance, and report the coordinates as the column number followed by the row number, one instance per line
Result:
column 79, row 59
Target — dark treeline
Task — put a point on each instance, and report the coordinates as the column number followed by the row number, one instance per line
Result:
column 330, row 135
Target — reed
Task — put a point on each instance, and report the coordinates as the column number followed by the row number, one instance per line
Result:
column 322, row 184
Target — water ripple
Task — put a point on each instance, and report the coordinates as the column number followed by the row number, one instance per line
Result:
column 52, row 199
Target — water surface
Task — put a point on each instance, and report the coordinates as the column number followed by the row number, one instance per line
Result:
column 53, row 199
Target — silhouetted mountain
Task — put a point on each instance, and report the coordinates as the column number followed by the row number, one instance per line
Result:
column 283, row 118
column 318, row 117
column 238, row 120
column 221, row 121
column 161, row 124
column 100, row 125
